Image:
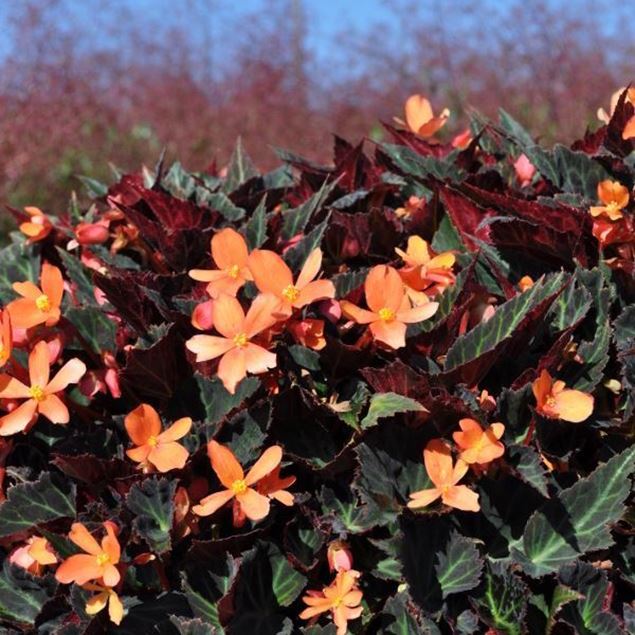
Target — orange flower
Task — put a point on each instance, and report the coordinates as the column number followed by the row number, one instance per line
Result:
column 390, row 308
column 425, row 271
column 555, row 401
column 342, row 598
column 38, row 306
column 410, row 206
column 525, row 170
column 239, row 354
column 437, row 457
column 478, row 445
column 6, row 338
column 615, row 198
column 38, row 228
column 272, row 275
column 420, row 118
column 98, row 563
column 254, row 505
column 526, row 282
column 41, row 396
column 97, row 603
column 154, row 447
column 339, row 556
column 230, row 253
column 34, row 555
column 629, row 129
column 308, row 332
column 202, row 316
column 462, row 140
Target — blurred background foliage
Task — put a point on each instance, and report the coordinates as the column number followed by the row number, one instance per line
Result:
column 85, row 83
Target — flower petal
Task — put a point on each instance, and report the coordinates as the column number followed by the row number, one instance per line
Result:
column 423, row 497
column 142, row 423
column 461, row 497
column 79, row 569
column 263, row 313
column 316, row 290
column 383, row 288
column 254, row 505
column 213, row 502
column 27, row 290
column 84, row 539
column 418, row 313
column 12, row 388
column 258, row 359
column 39, row 365
column 177, row 430
column 224, row 463
column 115, row 608
column 54, row 409
column 70, row 373
column 310, row 268
column 229, row 249
column 111, row 575
column 573, row 405
column 271, row 274
column 228, row 316
column 437, row 458
column 391, row 333
column 232, row 368
column 24, row 314
column 541, row 387
column 18, row 419
column 268, row 462
column 353, row 312
column 168, row 456
column 140, row 454
column 96, row 603
column 52, row 284
column 208, row 347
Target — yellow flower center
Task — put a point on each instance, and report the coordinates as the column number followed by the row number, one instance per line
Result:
column 37, row 393
column 386, row 314
column 291, row 293
column 102, row 559
column 551, row 402
column 43, row 303
column 613, row 207
column 233, row 271
column 153, row 441
column 239, row 487
column 241, row 340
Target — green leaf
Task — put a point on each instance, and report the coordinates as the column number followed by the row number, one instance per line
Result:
column 266, row 583
column 94, row 326
column 528, row 465
column 561, row 595
column 447, row 238
column 398, row 618
column 346, row 514
column 504, row 602
column 95, row 188
column 624, row 335
column 223, row 205
column 577, row 521
column 349, row 281
column 256, row 227
column 388, row 404
column 305, row 357
column 186, row 626
column 153, row 503
column 588, row 615
column 486, row 336
column 23, row 595
column 241, row 168
column 294, row 221
column 415, row 165
column 48, row 498
column 18, row 263
column 459, row 566
column 217, row 401
column 578, row 172
column 569, row 308
column 296, row 256
column 80, row 276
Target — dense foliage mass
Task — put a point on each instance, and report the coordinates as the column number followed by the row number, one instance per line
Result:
column 395, row 394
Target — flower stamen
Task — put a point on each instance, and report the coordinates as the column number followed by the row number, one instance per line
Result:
column 43, row 303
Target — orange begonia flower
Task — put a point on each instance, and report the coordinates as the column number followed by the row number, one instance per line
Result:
column 629, row 129
column 389, row 306
column 437, row 457
column 525, row 170
column 272, row 275
column 202, row 318
column 462, row 140
column 97, row 603
column 6, row 338
column 342, row 598
column 34, row 555
column 239, row 354
column 555, row 401
column 38, row 228
column 615, row 198
column 41, row 396
column 38, row 306
column 159, row 449
column 254, row 505
column 478, row 445
column 230, row 253
column 98, row 563
column 425, row 271
column 308, row 332
column 526, row 282
column 410, row 206
column 421, row 119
